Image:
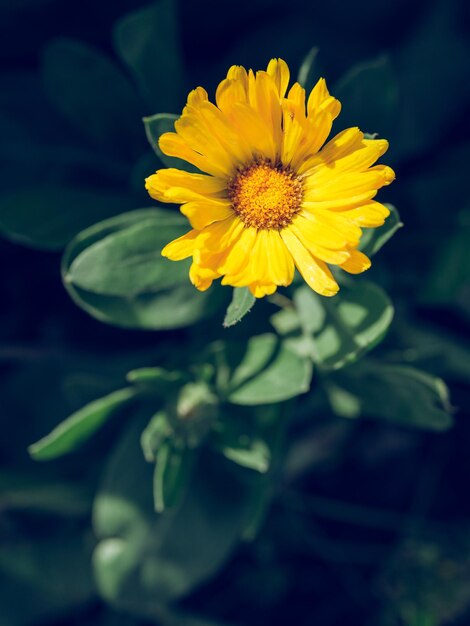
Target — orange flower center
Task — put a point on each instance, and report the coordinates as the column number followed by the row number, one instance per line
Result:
column 266, row 196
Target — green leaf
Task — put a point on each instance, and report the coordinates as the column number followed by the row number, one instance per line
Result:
column 143, row 558
column 172, row 472
column 129, row 262
column 92, row 94
column 157, row 379
column 171, row 308
column 397, row 393
column 345, row 327
column 242, row 303
column 196, row 400
column 267, row 371
column 155, row 126
column 374, row 238
column 308, row 72
column 231, row 438
column 49, row 216
column 369, row 97
column 79, row 427
column 252, row 454
column 124, row 286
column 157, row 431
column 148, row 42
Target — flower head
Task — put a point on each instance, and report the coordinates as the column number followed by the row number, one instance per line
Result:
column 271, row 198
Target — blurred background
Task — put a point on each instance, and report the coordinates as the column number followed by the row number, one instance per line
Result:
column 372, row 523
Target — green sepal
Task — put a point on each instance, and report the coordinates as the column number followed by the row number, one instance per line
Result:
column 241, row 304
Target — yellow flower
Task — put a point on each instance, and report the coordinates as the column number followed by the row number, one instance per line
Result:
column 271, row 197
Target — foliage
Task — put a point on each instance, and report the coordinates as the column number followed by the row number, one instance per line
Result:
column 228, row 461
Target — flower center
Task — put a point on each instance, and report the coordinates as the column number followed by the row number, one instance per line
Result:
column 266, row 196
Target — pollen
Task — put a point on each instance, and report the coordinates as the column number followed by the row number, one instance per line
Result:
column 266, row 196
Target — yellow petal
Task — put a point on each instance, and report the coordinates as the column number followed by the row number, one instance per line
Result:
column 173, row 145
column 259, row 290
column 369, row 215
column 218, row 126
column 196, row 96
column 357, row 263
column 318, row 232
column 330, row 161
column 220, row 236
column 201, row 277
column 294, row 125
column 254, row 129
column 201, row 213
column 349, row 183
column 240, row 252
column 228, row 93
column 316, row 130
column 173, row 185
column 194, row 132
column 264, row 98
column 343, row 143
column 315, row 273
column 181, row 248
column 345, row 203
column 280, row 266
column 238, row 73
column 318, row 247
column 343, row 228
column 296, row 97
column 320, row 100
column 279, row 71
column 264, row 262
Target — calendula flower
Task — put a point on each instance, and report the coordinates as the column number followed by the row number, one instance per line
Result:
column 270, row 198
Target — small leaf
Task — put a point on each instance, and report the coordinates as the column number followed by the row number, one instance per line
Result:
column 157, row 379
column 345, row 327
column 374, row 238
column 172, row 473
column 397, row 393
column 236, row 444
column 242, row 303
column 196, row 400
column 79, row 427
column 308, row 72
column 254, row 455
column 148, row 42
column 268, row 371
